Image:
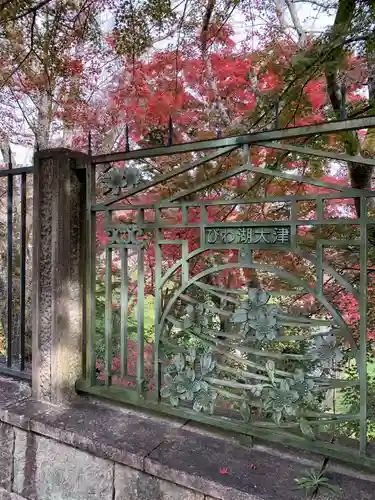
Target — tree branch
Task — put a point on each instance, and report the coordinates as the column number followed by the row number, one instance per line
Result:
column 360, row 175
column 23, row 60
column 30, row 10
column 295, row 19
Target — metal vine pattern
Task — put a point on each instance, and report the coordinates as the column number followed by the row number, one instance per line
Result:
column 254, row 322
column 127, row 235
column 214, row 330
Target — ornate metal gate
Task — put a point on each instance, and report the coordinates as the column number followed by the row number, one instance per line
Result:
column 250, row 329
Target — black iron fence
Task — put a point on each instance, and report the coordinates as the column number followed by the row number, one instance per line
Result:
column 15, row 270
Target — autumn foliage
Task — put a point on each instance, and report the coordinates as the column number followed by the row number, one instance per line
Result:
column 72, row 85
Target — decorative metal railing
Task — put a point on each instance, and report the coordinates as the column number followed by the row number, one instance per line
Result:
column 233, row 311
column 15, row 326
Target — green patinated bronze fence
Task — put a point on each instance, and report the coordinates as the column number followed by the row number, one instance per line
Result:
column 232, row 342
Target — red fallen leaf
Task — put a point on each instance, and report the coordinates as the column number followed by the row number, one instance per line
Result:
column 252, row 466
column 224, row 470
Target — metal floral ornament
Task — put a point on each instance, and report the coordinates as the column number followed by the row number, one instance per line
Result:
column 205, row 399
column 324, row 350
column 198, row 314
column 184, row 383
column 256, row 317
column 285, row 398
column 281, row 401
column 303, row 386
column 170, row 389
column 120, row 178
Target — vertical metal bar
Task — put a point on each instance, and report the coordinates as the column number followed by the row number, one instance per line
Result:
column 108, row 317
column 124, row 311
column 185, row 263
column 203, row 221
column 23, row 272
column 320, row 208
column 246, row 154
column 203, row 214
column 277, row 103
column 319, row 249
column 170, row 132
column 363, row 328
column 140, row 322
column 90, row 333
column 10, row 264
column 293, row 219
column 127, row 145
column 319, row 268
column 157, row 307
column 185, row 217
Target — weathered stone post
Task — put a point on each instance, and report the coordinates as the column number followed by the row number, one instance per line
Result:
column 58, row 273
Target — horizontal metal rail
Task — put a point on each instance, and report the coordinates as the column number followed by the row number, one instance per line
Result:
column 252, row 138
column 16, row 171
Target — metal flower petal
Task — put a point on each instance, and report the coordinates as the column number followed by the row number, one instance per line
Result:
column 258, row 297
column 204, row 400
column 281, row 401
column 187, row 385
column 324, row 350
column 170, row 389
column 240, row 315
column 304, row 386
column 256, row 317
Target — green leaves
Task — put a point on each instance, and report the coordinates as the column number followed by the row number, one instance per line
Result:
column 134, row 24
column 314, row 481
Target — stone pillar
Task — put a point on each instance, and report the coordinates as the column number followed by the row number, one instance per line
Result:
column 58, row 273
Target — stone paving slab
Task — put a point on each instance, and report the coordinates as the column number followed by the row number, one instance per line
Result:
column 12, row 391
column 228, row 471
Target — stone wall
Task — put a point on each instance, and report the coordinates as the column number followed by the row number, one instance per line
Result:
column 40, row 468
column 89, row 450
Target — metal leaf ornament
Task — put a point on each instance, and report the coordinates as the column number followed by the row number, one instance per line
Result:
column 120, row 178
